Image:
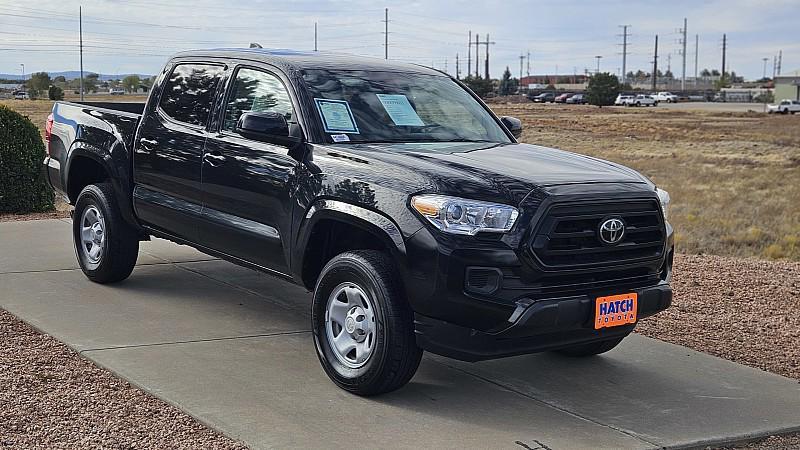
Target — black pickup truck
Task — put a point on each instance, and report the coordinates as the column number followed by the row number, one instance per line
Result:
column 389, row 190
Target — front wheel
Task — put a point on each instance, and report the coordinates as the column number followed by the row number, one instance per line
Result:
column 363, row 326
column 590, row 349
column 106, row 246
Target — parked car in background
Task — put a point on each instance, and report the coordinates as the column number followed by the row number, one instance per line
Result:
column 21, row 95
column 563, row 97
column 544, row 97
column 414, row 230
column 665, row 97
column 116, row 91
column 577, row 99
column 786, row 106
column 622, row 99
column 642, row 100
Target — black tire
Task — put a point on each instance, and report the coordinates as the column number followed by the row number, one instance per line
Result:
column 120, row 248
column 394, row 357
column 590, row 349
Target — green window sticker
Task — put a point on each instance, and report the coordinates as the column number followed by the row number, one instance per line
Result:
column 336, row 116
column 400, row 110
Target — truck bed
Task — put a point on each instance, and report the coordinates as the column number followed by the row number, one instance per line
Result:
column 103, row 131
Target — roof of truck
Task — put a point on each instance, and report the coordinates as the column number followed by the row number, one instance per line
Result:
column 300, row 60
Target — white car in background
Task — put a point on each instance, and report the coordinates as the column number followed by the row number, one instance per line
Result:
column 622, row 99
column 786, row 106
column 668, row 97
column 641, row 100
column 21, row 95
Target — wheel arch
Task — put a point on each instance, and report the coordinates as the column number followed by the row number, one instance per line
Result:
column 330, row 227
column 88, row 164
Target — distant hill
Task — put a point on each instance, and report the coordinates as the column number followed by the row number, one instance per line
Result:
column 72, row 74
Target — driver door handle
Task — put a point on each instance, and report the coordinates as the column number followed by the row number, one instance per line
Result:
column 214, row 158
column 148, row 144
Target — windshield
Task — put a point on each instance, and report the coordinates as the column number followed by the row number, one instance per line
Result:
column 371, row 106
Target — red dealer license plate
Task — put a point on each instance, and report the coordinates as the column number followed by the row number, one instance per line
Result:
column 615, row 310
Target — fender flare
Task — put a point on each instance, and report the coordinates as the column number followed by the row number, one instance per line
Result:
column 364, row 218
column 120, row 183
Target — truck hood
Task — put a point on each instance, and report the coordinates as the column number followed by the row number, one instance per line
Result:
column 486, row 169
column 540, row 166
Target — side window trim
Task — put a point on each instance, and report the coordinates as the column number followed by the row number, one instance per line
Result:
column 229, row 92
column 164, row 115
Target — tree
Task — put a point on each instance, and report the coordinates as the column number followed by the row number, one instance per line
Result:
column 602, row 90
column 90, row 82
column 705, row 73
column 478, row 85
column 55, row 93
column 131, row 83
column 24, row 187
column 39, row 81
column 59, row 79
column 507, row 85
column 715, row 73
column 668, row 74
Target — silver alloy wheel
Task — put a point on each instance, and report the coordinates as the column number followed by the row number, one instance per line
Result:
column 350, row 325
column 93, row 236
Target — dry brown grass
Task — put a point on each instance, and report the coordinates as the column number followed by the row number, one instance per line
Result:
column 734, row 178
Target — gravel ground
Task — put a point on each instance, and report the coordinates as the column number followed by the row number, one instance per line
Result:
column 743, row 310
column 53, row 398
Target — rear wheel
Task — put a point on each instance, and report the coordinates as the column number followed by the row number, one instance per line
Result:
column 363, row 326
column 106, row 246
column 591, row 349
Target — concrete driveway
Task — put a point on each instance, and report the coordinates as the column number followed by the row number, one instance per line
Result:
column 231, row 347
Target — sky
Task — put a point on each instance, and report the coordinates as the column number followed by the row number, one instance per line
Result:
column 137, row 36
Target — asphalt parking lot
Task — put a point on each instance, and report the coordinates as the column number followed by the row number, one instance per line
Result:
column 232, row 348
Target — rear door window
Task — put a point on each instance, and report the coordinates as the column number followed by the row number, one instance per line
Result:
column 189, row 92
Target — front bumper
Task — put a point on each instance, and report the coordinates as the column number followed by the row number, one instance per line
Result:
column 534, row 326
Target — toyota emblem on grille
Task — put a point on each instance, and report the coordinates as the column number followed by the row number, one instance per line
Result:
column 612, row 230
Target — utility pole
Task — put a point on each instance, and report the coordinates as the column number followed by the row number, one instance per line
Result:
column 655, row 65
column 624, row 51
column 386, row 34
column 765, row 67
column 487, row 55
column 774, row 66
column 683, row 74
column 529, row 63
column 458, row 70
column 469, row 54
column 724, row 49
column 445, row 66
column 80, row 37
column 477, row 60
column 519, row 84
column 23, row 75
column 598, row 57
column 696, row 48
column 315, row 36
column 780, row 60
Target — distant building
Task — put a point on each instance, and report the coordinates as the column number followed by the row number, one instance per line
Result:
column 787, row 86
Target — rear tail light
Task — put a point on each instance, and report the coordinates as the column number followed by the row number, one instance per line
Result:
column 48, row 130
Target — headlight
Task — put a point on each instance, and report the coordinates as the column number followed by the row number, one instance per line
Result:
column 663, row 197
column 461, row 216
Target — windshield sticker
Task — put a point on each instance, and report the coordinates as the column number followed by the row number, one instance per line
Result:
column 336, row 116
column 400, row 110
column 340, row 138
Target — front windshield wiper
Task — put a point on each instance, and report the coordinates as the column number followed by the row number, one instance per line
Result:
column 411, row 141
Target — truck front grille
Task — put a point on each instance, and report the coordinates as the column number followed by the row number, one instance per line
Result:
column 567, row 236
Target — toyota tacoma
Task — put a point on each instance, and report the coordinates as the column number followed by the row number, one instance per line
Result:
column 390, row 191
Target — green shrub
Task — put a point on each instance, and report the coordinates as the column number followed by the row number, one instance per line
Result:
column 55, row 93
column 23, row 187
column 602, row 90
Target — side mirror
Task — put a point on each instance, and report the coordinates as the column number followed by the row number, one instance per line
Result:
column 266, row 127
column 513, row 124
